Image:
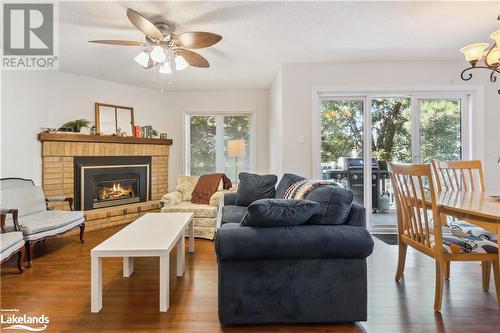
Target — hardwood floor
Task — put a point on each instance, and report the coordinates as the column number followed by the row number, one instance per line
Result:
column 58, row 285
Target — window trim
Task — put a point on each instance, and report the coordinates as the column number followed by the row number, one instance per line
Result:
column 187, row 135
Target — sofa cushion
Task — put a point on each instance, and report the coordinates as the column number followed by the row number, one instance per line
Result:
column 9, row 239
column 233, row 214
column 48, row 220
column 254, row 187
column 189, row 207
column 335, row 204
column 26, row 199
column 186, row 185
column 286, row 181
column 279, row 212
column 237, row 242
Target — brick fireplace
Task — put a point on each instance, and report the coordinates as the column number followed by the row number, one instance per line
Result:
column 113, row 179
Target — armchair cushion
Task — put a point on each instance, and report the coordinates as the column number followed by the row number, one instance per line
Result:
column 26, row 199
column 10, row 242
column 48, row 220
column 196, row 209
column 9, row 239
column 186, row 185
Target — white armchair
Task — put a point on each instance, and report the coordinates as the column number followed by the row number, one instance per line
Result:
column 180, row 201
column 36, row 222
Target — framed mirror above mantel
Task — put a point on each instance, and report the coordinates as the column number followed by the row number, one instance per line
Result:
column 111, row 119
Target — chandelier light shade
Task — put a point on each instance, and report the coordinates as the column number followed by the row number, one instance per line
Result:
column 143, row 59
column 474, row 53
column 180, row 63
column 165, row 68
column 158, row 54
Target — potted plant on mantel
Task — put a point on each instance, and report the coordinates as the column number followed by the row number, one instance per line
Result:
column 75, row 125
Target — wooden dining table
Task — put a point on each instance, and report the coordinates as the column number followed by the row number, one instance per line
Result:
column 481, row 208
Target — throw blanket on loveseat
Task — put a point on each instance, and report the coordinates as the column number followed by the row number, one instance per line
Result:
column 301, row 188
column 207, row 185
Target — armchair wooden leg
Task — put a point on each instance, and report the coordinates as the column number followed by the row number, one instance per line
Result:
column 447, row 270
column 82, row 231
column 486, row 268
column 20, row 259
column 401, row 260
column 438, row 297
column 30, row 245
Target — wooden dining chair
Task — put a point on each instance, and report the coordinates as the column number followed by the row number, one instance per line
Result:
column 420, row 226
column 458, row 175
column 463, row 176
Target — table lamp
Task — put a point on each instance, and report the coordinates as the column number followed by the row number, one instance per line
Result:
column 236, row 148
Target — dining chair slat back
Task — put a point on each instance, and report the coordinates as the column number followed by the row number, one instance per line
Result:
column 458, row 175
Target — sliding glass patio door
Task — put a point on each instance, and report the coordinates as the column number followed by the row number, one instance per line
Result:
column 361, row 134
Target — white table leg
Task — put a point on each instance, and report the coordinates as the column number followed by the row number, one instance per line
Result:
column 181, row 261
column 191, row 236
column 96, row 284
column 164, row 276
column 128, row 266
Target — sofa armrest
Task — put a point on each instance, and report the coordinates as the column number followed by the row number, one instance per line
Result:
column 235, row 242
column 230, row 198
column 3, row 216
column 357, row 216
column 69, row 200
column 171, row 198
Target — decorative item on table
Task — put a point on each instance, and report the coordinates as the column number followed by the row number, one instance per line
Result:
column 137, row 131
column 74, row 125
column 147, row 131
column 93, row 131
column 236, row 148
column 119, row 132
column 163, row 136
column 154, row 133
column 48, row 130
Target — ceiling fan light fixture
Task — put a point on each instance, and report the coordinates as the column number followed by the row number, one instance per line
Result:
column 165, row 68
column 143, row 59
column 158, row 54
column 180, row 63
column 493, row 57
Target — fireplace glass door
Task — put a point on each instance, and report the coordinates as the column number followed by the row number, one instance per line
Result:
column 115, row 192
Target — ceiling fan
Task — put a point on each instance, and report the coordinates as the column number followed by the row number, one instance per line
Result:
column 164, row 48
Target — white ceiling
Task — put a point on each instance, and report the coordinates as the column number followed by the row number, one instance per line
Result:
column 258, row 36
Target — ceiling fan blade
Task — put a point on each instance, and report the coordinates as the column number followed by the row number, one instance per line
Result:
column 192, row 58
column 196, row 39
column 143, row 24
column 118, row 42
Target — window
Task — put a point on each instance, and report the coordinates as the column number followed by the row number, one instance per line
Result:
column 207, row 139
column 360, row 133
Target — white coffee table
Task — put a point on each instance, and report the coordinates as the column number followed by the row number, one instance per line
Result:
column 151, row 235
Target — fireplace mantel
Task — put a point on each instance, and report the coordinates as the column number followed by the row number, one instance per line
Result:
column 58, row 172
column 65, row 137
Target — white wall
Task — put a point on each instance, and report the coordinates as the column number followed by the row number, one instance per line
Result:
column 299, row 80
column 275, row 137
column 35, row 99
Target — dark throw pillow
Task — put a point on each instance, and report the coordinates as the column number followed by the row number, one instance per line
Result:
column 335, row 204
column 286, row 181
column 254, row 187
column 279, row 212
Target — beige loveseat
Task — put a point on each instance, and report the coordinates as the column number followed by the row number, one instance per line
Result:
column 180, row 201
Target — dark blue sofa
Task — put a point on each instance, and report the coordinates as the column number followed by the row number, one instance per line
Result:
column 292, row 274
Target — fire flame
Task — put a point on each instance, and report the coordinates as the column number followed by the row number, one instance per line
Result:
column 116, row 191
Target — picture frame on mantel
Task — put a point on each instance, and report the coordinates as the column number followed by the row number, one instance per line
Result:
column 109, row 118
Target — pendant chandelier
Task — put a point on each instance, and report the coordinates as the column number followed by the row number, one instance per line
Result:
column 483, row 56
